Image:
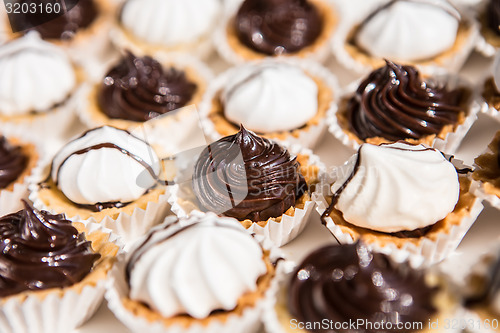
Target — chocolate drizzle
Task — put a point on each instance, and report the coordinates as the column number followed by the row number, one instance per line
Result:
column 343, row 283
column 247, row 177
column 41, row 251
column 139, row 89
column 63, row 27
column 394, row 103
column 493, row 16
column 12, row 162
column 277, row 27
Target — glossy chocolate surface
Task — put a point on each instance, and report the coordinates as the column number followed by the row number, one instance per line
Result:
column 41, row 251
column 394, row 103
column 12, row 162
column 345, row 283
column 275, row 27
column 253, row 176
column 139, row 89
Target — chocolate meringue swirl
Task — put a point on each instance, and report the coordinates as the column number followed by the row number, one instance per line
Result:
column 277, row 27
column 493, row 16
column 41, row 251
column 12, row 162
column 394, row 103
column 345, row 283
column 247, row 177
column 139, row 89
column 80, row 15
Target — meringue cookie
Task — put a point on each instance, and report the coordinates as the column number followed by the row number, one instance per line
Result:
column 170, row 22
column 36, row 75
column 267, row 97
column 409, row 30
column 105, row 165
column 396, row 187
column 195, row 266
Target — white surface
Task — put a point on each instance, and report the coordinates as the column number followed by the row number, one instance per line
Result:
column 482, row 236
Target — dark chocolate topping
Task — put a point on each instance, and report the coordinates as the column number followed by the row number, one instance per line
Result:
column 493, row 16
column 277, row 27
column 246, row 167
column 12, row 162
column 345, row 283
column 64, row 27
column 139, row 89
column 41, row 251
column 394, row 103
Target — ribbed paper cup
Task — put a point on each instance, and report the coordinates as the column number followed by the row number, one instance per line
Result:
column 309, row 136
column 59, row 310
column 279, row 231
column 249, row 321
column 451, row 141
column 426, row 252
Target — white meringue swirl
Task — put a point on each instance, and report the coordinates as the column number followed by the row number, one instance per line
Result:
column 104, row 174
column 397, row 187
column 270, row 96
column 36, row 75
column 195, row 266
column 410, row 30
column 170, row 22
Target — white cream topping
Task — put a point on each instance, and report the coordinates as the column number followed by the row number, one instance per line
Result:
column 104, row 174
column 207, row 266
column 270, row 96
column 410, row 30
column 36, row 75
column 397, row 187
column 170, row 22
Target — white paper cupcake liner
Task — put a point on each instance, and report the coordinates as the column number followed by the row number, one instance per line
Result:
column 183, row 202
column 483, row 104
column 54, row 313
column 490, row 111
column 128, row 227
column 453, row 63
column 477, row 189
column 448, row 145
column 307, row 138
column 427, row 253
column 249, row 321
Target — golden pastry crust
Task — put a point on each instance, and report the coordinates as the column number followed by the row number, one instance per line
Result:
column 100, row 244
column 487, row 169
column 330, row 22
column 462, row 209
column 491, row 94
column 247, row 300
column 30, row 151
column 225, row 128
column 53, row 198
column 343, row 121
column 93, row 111
column 465, row 30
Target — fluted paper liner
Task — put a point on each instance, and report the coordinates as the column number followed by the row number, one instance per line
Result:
column 59, row 310
column 307, row 137
column 182, row 201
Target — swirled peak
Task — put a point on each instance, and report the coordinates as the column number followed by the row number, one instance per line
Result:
column 396, row 187
column 409, row 30
column 493, row 16
column 247, row 177
column 105, row 167
column 36, row 75
column 170, row 22
column 277, row 27
column 394, row 103
column 13, row 162
column 41, row 251
column 345, row 283
column 63, row 27
column 139, row 89
column 270, row 96
column 195, row 266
